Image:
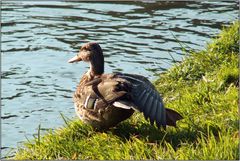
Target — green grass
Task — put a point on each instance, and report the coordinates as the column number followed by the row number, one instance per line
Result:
column 203, row 88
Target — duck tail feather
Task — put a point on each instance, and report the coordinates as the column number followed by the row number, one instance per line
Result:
column 172, row 117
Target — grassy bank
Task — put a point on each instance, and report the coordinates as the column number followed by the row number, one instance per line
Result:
column 203, row 88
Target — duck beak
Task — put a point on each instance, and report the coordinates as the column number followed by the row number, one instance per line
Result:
column 75, row 59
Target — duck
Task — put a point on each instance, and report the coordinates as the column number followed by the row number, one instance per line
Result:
column 104, row 100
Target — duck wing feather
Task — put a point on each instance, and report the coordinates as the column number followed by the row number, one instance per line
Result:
column 146, row 98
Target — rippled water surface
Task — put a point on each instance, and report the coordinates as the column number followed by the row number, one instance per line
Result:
column 39, row 37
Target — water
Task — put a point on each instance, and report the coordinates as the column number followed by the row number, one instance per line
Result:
column 39, row 37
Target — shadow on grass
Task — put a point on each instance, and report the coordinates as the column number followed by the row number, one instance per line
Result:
column 151, row 134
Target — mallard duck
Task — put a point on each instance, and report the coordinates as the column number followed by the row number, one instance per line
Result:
column 104, row 100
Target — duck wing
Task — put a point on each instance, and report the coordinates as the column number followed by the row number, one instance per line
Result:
column 129, row 91
column 108, row 89
column 146, row 98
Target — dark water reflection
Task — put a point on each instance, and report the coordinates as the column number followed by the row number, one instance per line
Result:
column 39, row 37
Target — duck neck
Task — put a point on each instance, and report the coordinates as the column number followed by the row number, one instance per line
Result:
column 96, row 67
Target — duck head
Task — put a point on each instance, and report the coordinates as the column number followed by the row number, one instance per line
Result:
column 91, row 53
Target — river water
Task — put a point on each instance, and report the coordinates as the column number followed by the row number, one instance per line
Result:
column 39, row 37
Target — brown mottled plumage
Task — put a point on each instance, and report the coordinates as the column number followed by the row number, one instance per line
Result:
column 104, row 100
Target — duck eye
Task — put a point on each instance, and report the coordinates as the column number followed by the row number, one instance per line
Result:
column 86, row 49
